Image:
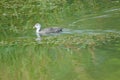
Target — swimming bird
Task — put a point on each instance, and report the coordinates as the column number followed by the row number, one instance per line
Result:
column 46, row 30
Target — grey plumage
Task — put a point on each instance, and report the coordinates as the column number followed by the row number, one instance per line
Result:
column 51, row 30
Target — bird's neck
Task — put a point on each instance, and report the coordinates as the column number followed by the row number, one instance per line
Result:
column 37, row 30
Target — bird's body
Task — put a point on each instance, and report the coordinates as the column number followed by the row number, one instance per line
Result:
column 50, row 30
column 46, row 31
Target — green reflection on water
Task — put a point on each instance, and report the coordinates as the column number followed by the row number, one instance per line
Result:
column 64, row 61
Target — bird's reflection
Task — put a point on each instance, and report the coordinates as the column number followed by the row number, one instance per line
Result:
column 38, row 39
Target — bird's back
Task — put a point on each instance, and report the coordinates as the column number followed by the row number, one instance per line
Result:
column 51, row 30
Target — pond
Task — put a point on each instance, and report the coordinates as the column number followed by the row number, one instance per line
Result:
column 81, row 52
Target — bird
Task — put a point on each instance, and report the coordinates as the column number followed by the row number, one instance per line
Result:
column 40, row 32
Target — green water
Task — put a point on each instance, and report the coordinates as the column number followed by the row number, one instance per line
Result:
column 88, row 49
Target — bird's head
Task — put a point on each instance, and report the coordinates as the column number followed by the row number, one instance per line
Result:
column 37, row 26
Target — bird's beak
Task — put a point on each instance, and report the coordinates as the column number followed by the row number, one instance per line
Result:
column 33, row 27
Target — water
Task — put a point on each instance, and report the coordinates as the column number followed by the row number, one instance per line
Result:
column 87, row 49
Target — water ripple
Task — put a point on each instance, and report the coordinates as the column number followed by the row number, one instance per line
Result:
column 70, row 31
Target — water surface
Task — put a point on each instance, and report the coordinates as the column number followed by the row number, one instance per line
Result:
column 22, row 58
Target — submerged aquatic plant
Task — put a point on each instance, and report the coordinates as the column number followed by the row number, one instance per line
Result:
column 54, row 58
column 82, row 40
